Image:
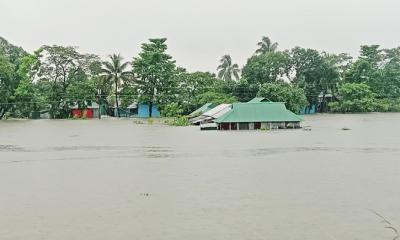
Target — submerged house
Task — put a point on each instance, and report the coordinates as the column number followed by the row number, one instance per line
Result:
column 43, row 114
column 143, row 111
column 206, row 107
column 258, row 115
column 211, row 115
column 89, row 111
column 140, row 110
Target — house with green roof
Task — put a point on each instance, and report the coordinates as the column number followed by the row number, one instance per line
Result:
column 258, row 115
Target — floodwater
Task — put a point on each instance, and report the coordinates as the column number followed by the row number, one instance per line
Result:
column 113, row 179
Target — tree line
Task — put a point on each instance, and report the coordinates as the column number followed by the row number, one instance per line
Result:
column 55, row 77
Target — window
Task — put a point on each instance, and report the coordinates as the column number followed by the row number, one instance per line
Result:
column 225, row 126
column 233, row 126
column 243, row 126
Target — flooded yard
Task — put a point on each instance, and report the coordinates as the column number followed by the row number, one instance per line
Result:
column 113, row 179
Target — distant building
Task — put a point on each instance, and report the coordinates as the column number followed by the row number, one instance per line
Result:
column 90, row 111
column 140, row 110
column 43, row 114
column 143, row 111
column 258, row 115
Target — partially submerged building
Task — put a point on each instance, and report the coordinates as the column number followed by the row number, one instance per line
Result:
column 258, row 115
column 140, row 110
column 211, row 115
column 91, row 110
column 206, row 107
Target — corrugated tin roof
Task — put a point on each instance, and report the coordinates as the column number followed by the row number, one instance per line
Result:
column 132, row 106
column 93, row 105
column 218, row 111
column 202, row 109
column 199, row 119
column 259, row 112
column 259, row 99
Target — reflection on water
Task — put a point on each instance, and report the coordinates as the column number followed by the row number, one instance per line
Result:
column 113, row 179
column 11, row 148
column 272, row 151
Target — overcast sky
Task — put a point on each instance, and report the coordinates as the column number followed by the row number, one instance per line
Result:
column 199, row 32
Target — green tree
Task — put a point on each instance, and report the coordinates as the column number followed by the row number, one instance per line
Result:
column 389, row 85
column 154, row 70
column 266, row 46
column 354, row 97
column 227, row 69
column 13, row 53
column 60, row 66
column 266, row 68
column 191, row 85
column 215, row 98
column 244, row 91
column 293, row 97
column 82, row 92
column 315, row 73
column 27, row 97
column 8, row 83
column 115, row 72
column 10, row 61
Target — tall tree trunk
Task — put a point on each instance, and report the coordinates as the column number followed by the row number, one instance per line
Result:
column 150, row 109
column 322, row 109
column 116, row 97
column 151, row 103
column 2, row 112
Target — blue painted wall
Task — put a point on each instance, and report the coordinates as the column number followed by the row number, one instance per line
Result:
column 143, row 111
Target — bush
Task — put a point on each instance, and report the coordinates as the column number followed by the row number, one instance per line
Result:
column 171, row 110
column 355, row 97
column 293, row 97
column 382, row 105
column 334, row 107
column 179, row 121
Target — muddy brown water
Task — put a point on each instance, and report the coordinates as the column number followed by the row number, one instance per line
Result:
column 113, row 179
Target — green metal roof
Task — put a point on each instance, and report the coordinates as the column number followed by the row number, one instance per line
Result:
column 202, row 109
column 258, row 100
column 259, row 112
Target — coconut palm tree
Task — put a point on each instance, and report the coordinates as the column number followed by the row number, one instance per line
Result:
column 226, row 69
column 115, row 72
column 266, row 46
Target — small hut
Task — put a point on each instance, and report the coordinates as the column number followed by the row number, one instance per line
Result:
column 143, row 111
column 91, row 110
column 140, row 110
column 258, row 115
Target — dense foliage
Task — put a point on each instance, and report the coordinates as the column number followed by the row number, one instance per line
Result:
column 355, row 97
column 293, row 96
column 54, row 78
